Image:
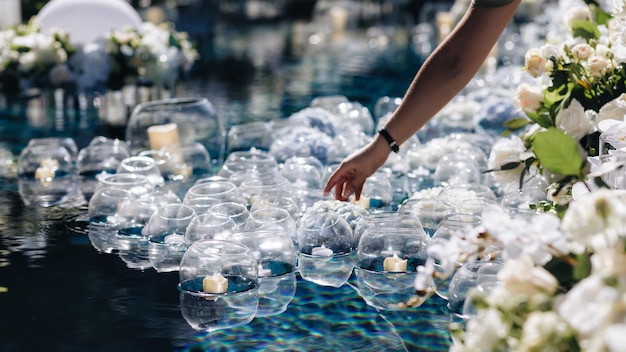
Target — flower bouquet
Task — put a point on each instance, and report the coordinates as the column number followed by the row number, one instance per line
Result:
column 30, row 58
column 156, row 54
column 562, row 283
column 580, row 82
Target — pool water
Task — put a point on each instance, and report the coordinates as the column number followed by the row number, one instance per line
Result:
column 61, row 292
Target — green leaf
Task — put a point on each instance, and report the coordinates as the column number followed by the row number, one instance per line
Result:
column 585, row 29
column 558, row 152
column 602, row 17
column 516, row 123
column 582, row 269
column 541, row 118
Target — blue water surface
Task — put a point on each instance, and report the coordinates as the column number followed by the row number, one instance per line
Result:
column 61, row 292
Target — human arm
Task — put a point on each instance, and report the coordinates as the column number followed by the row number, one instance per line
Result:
column 442, row 76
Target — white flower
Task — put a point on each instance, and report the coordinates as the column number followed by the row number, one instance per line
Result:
column 574, row 121
column 596, row 220
column 487, row 331
column 604, row 51
column 27, row 62
column 609, row 261
column 428, row 193
column 520, row 276
column 535, row 63
column 575, row 14
column 615, row 337
column 582, row 51
column 542, row 329
column 424, row 278
column 615, row 109
column 549, row 50
column 506, row 151
column 589, row 306
column 598, row 65
column 618, row 8
column 528, row 98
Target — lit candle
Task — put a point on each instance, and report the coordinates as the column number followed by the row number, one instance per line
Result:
column 215, row 283
column 322, row 251
column 160, row 136
column 165, row 137
column 183, row 170
column 46, row 171
column 338, row 19
column 394, row 264
column 174, row 239
column 264, row 272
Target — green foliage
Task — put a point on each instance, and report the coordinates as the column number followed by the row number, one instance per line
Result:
column 558, row 152
column 585, row 29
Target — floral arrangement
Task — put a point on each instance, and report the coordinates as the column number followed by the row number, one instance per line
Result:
column 562, row 279
column 154, row 54
column 30, row 58
column 562, row 285
column 580, row 82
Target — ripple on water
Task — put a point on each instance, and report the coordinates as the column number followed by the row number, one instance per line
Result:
column 331, row 319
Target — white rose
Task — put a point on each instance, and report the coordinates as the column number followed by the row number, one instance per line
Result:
column 598, row 65
column 609, row 261
column 549, row 50
column 615, row 337
column 506, row 151
column 589, row 306
column 520, row 276
column 542, row 329
column 596, row 220
column 574, row 121
column 603, row 51
column 615, row 109
column 27, row 61
column 575, row 14
column 486, row 331
column 618, row 8
column 528, row 98
column 582, row 51
column 535, row 63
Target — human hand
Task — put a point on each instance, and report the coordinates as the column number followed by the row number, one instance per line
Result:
column 350, row 176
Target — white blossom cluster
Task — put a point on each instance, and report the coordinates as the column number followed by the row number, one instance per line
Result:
column 529, row 309
column 42, row 60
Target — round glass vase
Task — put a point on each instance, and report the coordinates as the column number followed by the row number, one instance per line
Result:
column 195, row 121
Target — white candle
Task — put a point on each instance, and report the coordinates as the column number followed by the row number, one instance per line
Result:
column 46, row 171
column 165, row 137
column 174, row 239
column 394, row 264
column 322, row 251
column 215, row 283
column 264, row 272
column 338, row 19
column 183, row 170
column 160, row 136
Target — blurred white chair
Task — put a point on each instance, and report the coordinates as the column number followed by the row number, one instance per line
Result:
column 87, row 20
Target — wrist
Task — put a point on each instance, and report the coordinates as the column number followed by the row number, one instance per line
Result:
column 391, row 142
